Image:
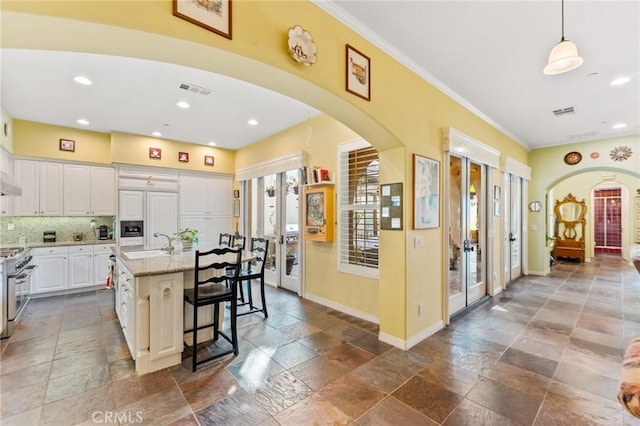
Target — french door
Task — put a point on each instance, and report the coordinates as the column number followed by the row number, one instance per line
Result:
column 467, row 232
column 276, row 214
column 607, row 220
column 514, row 227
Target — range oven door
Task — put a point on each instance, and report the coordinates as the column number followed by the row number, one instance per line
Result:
column 18, row 292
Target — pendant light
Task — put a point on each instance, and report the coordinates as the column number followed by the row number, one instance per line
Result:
column 564, row 55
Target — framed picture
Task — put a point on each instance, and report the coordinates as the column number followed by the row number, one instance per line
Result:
column 496, row 208
column 213, row 15
column 155, row 153
column 236, row 193
column 358, row 78
column 236, row 208
column 208, row 160
column 183, row 157
column 426, row 192
column 496, row 192
column 67, row 145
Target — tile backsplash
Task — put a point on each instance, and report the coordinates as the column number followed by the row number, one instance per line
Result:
column 32, row 228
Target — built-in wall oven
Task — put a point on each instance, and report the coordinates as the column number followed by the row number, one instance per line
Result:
column 16, row 267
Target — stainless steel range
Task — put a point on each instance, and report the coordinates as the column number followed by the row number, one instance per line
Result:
column 16, row 268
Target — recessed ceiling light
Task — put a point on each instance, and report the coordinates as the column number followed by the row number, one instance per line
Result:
column 620, row 81
column 83, row 122
column 80, row 79
column 252, row 122
column 183, row 104
column 619, row 125
column 212, row 143
column 156, row 134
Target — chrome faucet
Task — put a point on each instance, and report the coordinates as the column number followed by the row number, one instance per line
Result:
column 168, row 248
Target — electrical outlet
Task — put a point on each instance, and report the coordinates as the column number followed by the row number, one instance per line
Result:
column 420, row 310
column 93, row 224
column 418, row 242
column 10, row 226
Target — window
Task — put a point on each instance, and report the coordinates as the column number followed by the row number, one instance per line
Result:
column 359, row 205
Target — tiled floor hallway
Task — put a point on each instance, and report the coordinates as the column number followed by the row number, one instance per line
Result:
column 545, row 352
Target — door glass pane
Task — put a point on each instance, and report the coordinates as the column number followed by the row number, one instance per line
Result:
column 455, row 231
column 475, row 200
column 516, row 202
column 270, row 218
column 291, row 224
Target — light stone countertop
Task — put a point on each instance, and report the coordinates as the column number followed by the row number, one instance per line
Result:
column 159, row 265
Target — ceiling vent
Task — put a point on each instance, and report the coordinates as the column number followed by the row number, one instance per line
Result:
column 585, row 135
column 194, row 89
column 563, row 111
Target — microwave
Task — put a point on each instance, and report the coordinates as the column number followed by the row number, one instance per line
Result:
column 131, row 228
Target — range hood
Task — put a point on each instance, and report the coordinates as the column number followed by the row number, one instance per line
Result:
column 8, row 186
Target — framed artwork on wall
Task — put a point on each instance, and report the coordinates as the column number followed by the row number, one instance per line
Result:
column 183, row 157
column 358, row 67
column 155, row 153
column 213, row 15
column 208, row 160
column 67, row 145
column 426, row 192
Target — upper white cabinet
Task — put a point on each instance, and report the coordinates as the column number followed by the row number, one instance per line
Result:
column 131, row 205
column 89, row 190
column 42, row 188
column 6, row 166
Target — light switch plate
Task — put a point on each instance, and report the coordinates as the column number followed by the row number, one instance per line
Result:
column 418, row 242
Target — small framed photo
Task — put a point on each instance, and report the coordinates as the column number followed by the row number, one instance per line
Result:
column 496, row 208
column 208, row 160
column 236, row 193
column 183, row 157
column 67, row 145
column 155, row 153
column 236, row 208
column 213, row 15
column 496, row 192
column 358, row 78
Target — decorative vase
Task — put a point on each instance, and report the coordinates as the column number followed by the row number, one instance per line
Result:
column 187, row 246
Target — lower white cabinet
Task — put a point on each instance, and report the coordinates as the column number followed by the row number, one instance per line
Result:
column 70, row 267
column 51, row 273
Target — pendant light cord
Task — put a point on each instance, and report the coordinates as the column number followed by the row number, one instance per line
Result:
column 562, row 14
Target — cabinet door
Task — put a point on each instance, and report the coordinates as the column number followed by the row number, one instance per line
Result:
column 26, row 173
column 6, row 166
column 77, row 190
column 162, row 216
column 81, row 267
column 51, row 274
column 103, row 191
column 101, row 266
column 220, row 195
column 166, row 328
column 202, row 224
column 131, row 206
column 194, row 199
column 51, row 189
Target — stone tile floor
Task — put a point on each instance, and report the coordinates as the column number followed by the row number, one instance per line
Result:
column 545, row 352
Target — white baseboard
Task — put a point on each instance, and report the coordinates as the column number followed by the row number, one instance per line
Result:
column 540, row 273
column 342, row 308
column 413, row 340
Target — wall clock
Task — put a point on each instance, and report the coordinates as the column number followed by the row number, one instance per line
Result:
column 573, row 158
column 620, row 153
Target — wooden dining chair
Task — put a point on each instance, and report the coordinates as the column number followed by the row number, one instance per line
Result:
column 224, row 240
column 254, row 270
column 215, row 282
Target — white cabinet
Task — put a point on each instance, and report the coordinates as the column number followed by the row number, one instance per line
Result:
column 131, row 205
column 80, row 266
column 89, row 190
column 101, row 255
column 206, row 204
column 6, row 166
column 126, row 307
column 162, row 216
column 51, row 273
column 42, row 188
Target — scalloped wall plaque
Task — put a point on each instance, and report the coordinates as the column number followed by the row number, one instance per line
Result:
column 301, row 46
column 620, row 153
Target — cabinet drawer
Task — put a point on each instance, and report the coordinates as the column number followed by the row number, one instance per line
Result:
column 41, row 251
column 80, row 249
column 103, row 248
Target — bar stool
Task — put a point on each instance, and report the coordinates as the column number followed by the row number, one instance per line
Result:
column 215, row 281
column 255, row 270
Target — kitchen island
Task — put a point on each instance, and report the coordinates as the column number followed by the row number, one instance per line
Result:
column 149, row 289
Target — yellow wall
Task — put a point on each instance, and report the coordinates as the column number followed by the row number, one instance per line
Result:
column 43, row 140
column 549, row 170
column 405, row 115
column 134, row 149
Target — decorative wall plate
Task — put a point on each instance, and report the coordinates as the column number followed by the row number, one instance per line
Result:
column 620, row 153
column 573, row 158
column 595, row 155
column 301, row 46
